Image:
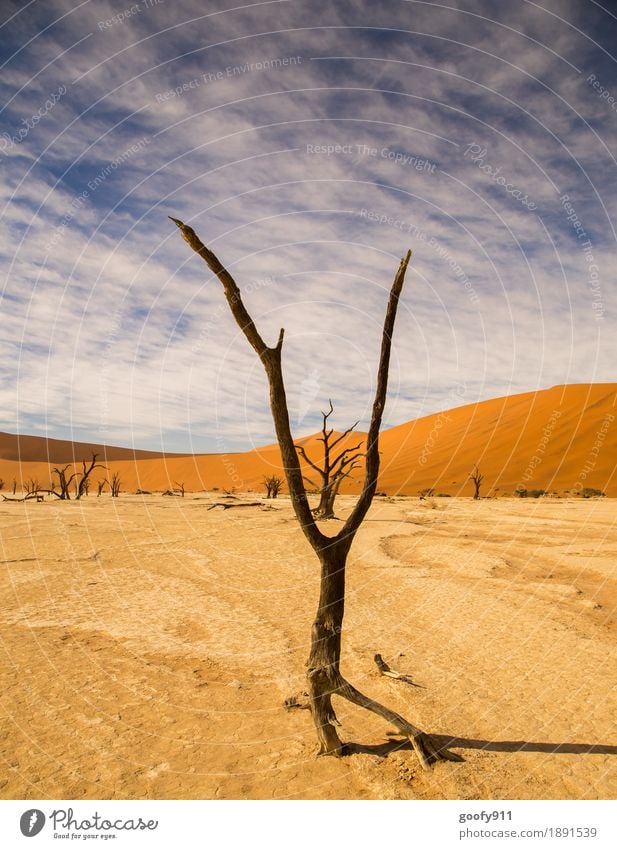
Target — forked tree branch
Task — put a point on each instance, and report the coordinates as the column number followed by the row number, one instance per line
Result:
column 307, row 459
column 343, row 459
column 343, row 435
column 271, row 359
column 372, row 441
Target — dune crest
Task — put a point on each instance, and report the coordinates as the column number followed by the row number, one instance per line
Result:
column 561, row 440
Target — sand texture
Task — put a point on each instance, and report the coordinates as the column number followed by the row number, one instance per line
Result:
column 149, row 643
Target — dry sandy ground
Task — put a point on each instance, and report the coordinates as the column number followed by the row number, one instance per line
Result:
column 148, row 645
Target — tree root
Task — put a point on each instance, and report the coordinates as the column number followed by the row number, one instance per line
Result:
column 427, row 750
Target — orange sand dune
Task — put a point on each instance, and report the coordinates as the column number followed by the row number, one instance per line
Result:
column 41, row 449
column 560, row 439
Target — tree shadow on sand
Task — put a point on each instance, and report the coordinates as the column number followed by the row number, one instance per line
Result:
column 443, row 741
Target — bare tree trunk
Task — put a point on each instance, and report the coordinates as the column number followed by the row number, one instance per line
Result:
column 325, row 508
column 84, row 483
column 477, row 479
column 325, row 655
column 63, row 482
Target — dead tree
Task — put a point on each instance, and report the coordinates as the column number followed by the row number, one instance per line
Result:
column 180, row 487
column 114, row 485
column 1, row 484
column 334, row 469
column 477, row 479
column 14, row 485
column 324, row 677
column 100, row 487
column 227, row 506
column 273, row 485
column 32, row 486
column 84, row 484
column 64, row 482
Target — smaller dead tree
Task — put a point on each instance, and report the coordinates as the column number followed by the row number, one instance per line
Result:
column 180, row 487
column 100, row 487
column 332, row 471
column 84, row 484
column 477, row 479
column 14, row 485
column 64, row 482
column 32, row 486
column 227, row 506
column 114, row 484
column 273, row 485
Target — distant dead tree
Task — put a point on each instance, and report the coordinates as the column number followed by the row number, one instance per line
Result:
column 324, row 679
column 333, row 469
column 180, row 487
column 32, row 486
column 84, row 483
column 100, row 487
column 273, row 485
column 14, row 486
column 115, row 484
column 63, row 482
column 477, row 479
column 1, row 484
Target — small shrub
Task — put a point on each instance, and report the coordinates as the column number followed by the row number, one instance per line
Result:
column 590, row 492
column 521, row 492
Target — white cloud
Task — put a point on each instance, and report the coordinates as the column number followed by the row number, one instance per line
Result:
column 112, row 326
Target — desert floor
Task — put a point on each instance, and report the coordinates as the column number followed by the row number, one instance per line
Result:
column 149, row 644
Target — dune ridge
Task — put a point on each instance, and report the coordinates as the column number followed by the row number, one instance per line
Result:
column 561, row 439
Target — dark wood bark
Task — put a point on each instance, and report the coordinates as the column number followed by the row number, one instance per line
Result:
column 114, row 484
column 226, row 506
column 477, row 479
column 323, row 665
column 273, row 485
column 82, row 489
column 64, row 482
column 324, row 676
column 333, row 468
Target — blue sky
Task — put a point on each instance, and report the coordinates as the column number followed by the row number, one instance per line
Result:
column 310, row 145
